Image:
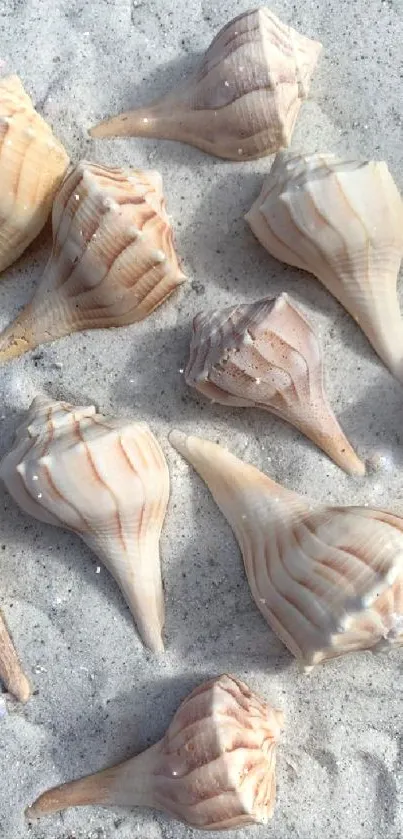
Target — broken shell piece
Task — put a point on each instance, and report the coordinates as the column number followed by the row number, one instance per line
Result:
column 328, row 580
column 266, row 355
column 32, row 166
column 105, row 479
column 213, row 769
column 11, row 672
column 342, row 220
column 243, row 101
column 113, row 260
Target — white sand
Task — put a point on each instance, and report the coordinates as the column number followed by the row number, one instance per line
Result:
column 99, row 695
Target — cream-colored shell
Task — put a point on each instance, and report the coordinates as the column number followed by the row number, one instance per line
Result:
column 32, row 166
column 11, row 672
column 342, row 220
column 214, row 768
column 266, row 355
column 113, row 260
column 328, row 580
column 244, row 99
column 105, row 479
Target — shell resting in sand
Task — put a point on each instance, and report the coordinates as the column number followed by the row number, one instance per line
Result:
column 328, row 580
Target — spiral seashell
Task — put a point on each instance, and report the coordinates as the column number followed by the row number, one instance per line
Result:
column 214, row 768
column 32, row 166
column 244, row 99
column 266, row 355
column 11, row 672
column 105, row 479
column 342, row 220
column 113, row 260
column 328, row 580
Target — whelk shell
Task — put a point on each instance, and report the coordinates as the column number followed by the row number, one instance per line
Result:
column 244, row 99
column 214, row 768
column 266, row 355
column 11, row 672
column 342, row 220
column 105, row 479
column 32, row 166
column 113, row 260
column 328, row 580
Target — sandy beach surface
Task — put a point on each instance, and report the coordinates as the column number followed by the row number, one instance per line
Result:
column 98, row 695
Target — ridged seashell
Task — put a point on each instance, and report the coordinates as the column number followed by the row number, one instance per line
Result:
column 32, row 167
column 266, row 355
column 113, row 260
column 328, row 580
column 342, row 220
column 105, row 479
column 244, row 99
column 11, row 672
column 213, row 769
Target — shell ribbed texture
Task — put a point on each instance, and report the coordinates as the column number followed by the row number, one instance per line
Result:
column 32, row 166
column 105, row 479
column 266, row 355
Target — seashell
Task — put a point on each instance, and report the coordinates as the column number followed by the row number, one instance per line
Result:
column 266, row 355
column 113, row 260
column 11, row 672
column 105, row 479
column 32, row 167
column 328, row 580
column 342, row 220
column 214, row 768
column 244, row 99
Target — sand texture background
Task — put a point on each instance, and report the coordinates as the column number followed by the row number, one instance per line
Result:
column 99, row 696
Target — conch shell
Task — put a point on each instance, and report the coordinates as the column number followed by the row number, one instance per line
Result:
column 342, row 220
column 32, row 167
column 105, row 479
column 266, row 355
column 113, row 260
column 244, row 99
column 328, row 580
column 11, row 672
column 214, row 768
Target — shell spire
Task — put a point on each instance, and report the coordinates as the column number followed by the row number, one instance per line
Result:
column 328, row 580
column 113, row 260
column 105, row 479
column 266, row 355
column 11, row 672
column 244, row 99
column 32, row 166
column 214, row 768
column 341, row 220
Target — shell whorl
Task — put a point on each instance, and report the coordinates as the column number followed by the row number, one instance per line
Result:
column 266, row 355
column 32, row 166
column 105, row 479
column 219, row 755
column 113, row 244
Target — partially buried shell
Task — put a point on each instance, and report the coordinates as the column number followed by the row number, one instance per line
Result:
column 113, row 260
column 244, row 99
column 342, row 220
column 214, row 768
column 11, row 672
column 32, row 166
column 105, row 479
column 266, row 355
column 328, row 580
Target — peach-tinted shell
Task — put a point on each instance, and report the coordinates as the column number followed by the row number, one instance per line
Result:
column 32, row 165
column 113, row 260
